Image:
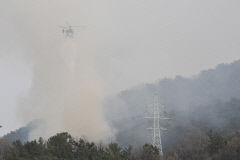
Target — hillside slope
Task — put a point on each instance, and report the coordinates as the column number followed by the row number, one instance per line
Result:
column 210, row 99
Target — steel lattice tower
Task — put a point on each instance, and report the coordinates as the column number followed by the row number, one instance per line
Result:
column 157, row 141
column 157, row 115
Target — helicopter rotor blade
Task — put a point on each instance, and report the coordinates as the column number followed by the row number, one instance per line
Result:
column 79, row 26
column 82, row 27
column 62, row 27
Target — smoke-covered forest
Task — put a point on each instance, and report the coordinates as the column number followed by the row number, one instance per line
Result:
column 209, row 100
column 119, row 80
column 204, row 112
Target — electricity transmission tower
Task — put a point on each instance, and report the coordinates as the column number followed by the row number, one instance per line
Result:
column 157, row 115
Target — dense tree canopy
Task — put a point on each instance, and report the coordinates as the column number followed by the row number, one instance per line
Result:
column 62, row 146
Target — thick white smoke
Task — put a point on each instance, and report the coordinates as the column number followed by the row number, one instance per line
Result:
column 66, row 90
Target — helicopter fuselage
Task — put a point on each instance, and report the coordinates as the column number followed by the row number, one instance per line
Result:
column 68, row 32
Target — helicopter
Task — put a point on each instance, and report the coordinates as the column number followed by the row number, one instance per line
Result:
column 68, row 30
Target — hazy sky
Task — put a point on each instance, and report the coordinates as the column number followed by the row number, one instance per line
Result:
column 138, row 41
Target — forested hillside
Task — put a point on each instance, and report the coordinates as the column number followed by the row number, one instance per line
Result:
column 209, row 100
column 22, row 133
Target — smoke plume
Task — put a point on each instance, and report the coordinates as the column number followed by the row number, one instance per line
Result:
column 66, row 91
